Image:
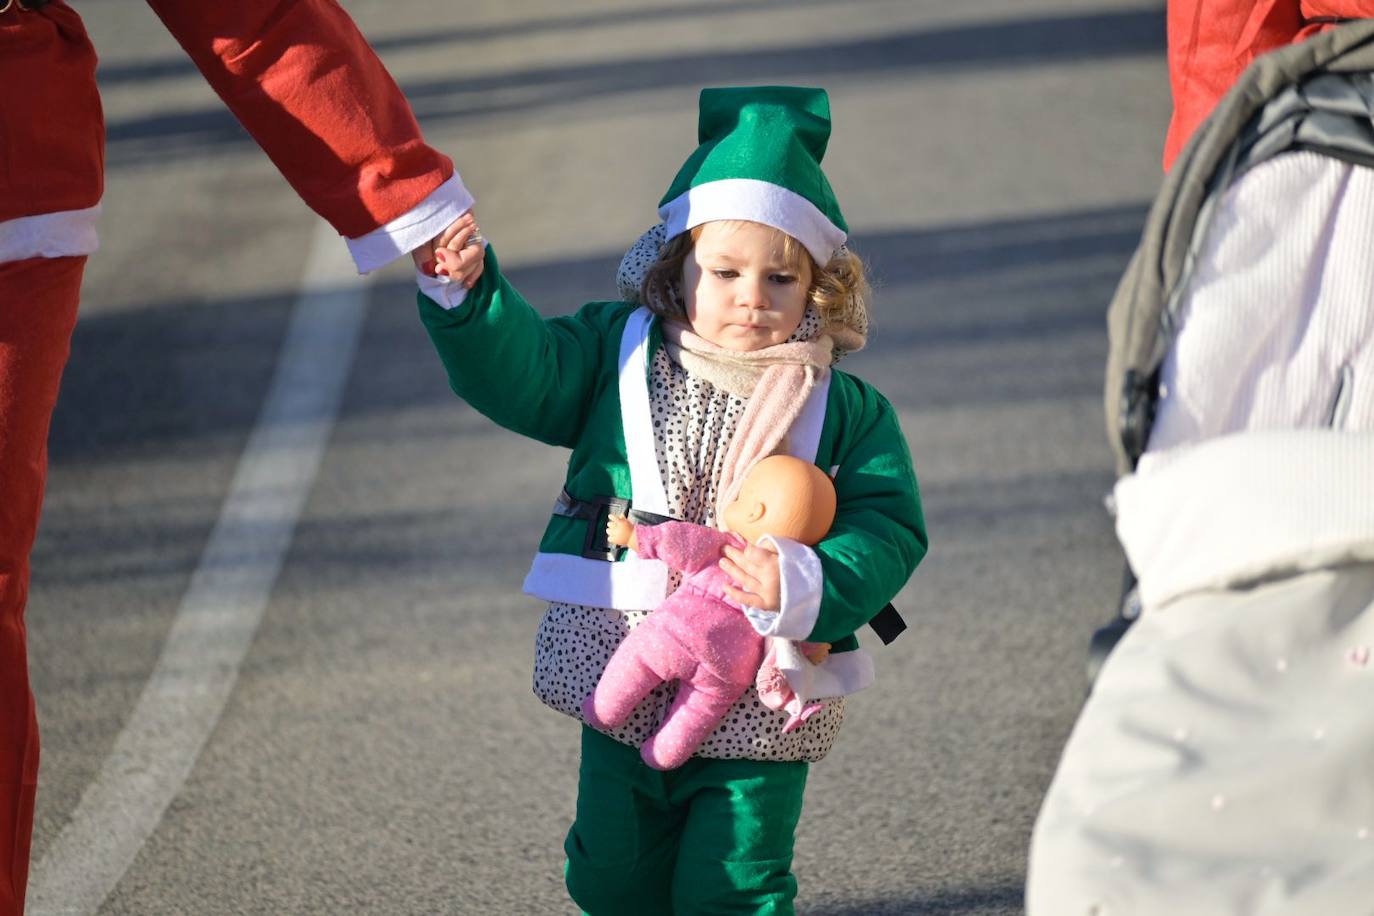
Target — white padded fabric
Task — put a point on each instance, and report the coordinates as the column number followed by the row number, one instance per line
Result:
column 1280, row 309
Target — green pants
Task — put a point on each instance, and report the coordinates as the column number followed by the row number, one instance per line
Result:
column 713, row 836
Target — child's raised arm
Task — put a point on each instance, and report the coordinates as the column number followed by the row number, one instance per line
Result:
column 533, row 375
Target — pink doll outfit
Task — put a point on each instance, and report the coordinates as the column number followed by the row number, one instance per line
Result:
column 776, row 690
column 697, row 636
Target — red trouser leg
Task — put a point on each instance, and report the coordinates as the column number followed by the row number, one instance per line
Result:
column 38, row 299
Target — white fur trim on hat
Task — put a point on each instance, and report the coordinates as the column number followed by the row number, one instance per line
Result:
column 759, row 202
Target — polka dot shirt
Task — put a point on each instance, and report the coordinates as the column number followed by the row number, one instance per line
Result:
column 693, row 422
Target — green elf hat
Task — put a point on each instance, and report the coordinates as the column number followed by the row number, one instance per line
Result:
column 760, row 160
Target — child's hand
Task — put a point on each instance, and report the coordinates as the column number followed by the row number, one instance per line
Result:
column 460, row 254
column 423, row 256
column 456, row 253
column 816, row 652
column 620, row 531
column 758, row 580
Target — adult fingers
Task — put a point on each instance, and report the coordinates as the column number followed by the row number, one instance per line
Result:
column 467, row 223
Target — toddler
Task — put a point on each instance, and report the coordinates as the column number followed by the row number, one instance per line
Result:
column 718, row 355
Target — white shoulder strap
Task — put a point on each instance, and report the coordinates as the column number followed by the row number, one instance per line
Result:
column 804, row 438
column 646, row 483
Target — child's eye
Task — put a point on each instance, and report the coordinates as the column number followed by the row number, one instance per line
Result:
column 783, row 278
column 725, row 273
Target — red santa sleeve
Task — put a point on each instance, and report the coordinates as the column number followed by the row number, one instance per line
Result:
column 1210, row 43
column 314, row 95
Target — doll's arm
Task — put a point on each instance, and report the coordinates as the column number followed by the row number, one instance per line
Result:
column 683, row 546
column 620, row 531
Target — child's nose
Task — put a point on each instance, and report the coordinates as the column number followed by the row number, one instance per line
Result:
column 753, row 295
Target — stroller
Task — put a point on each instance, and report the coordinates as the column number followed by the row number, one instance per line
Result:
column 1224, row 760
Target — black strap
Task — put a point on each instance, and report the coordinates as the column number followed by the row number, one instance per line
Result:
column 887, row 623
column 596, row 512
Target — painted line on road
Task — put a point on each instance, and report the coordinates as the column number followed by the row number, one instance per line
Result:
column 181, row 703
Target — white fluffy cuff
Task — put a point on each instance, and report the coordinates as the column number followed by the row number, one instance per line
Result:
column 801, row 592
column 412, row 229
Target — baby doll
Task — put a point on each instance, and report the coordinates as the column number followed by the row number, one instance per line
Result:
column 699, row 635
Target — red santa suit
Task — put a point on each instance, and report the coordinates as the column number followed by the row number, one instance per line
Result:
column 312, row 93
column 1212, row 41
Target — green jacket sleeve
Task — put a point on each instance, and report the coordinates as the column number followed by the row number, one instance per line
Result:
column 534, row 375
column 879, row 534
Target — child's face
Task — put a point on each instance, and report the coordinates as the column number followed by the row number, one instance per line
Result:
column 741, row 292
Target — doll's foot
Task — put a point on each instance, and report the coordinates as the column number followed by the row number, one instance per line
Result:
column 661, row 758
column 590, row 716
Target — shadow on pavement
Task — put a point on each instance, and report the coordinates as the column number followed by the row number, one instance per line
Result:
column 968, row 317
column 994, row 900
column 181, row 66
column 1000, row 45
column 965, row 315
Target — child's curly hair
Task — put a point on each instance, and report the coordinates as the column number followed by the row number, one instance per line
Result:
column 839, row 291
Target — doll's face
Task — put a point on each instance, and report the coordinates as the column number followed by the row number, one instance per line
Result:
column 741, row 293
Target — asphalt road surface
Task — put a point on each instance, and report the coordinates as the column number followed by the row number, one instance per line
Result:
column 281, row 656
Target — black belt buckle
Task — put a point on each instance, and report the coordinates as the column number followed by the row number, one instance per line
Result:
column 594, row 545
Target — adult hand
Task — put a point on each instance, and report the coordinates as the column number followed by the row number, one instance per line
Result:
column 757, row 578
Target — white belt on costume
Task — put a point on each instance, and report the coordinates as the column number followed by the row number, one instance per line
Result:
column 65, row 234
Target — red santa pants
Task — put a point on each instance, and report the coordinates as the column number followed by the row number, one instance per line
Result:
column 38, row 299
column 50, row 163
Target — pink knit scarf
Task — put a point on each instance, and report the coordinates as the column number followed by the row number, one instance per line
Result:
column 777, row 380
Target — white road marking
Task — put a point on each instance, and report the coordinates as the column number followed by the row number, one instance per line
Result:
column 223, row 605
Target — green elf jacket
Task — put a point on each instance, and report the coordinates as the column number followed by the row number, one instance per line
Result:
column 580, row 382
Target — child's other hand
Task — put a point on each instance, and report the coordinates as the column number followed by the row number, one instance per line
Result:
column 816, row 652
column 620, row 531
column 758, row 580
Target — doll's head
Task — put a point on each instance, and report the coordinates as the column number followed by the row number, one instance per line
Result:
column 751, row 228
column 785, row 497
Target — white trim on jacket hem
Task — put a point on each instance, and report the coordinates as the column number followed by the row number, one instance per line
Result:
column 64, row 234
column 634, row 584
column 841, row 674
column 413, row 228
column 1239, row 508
